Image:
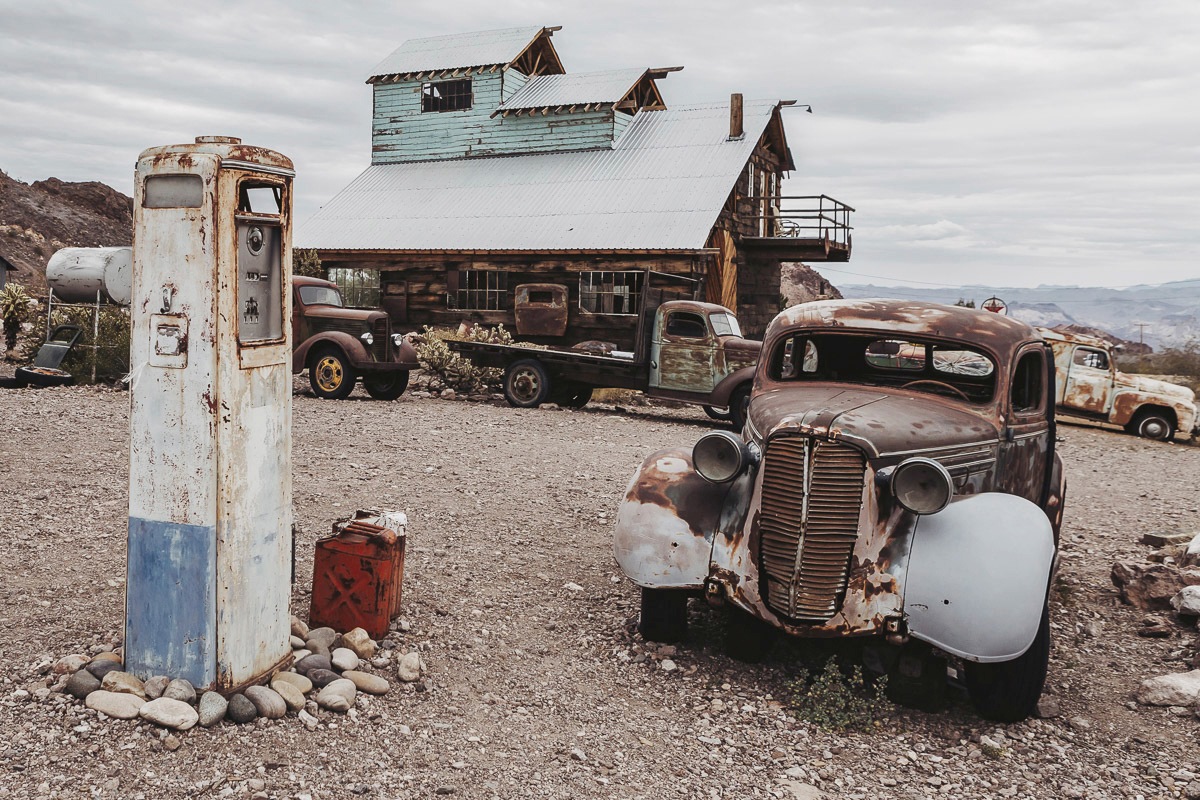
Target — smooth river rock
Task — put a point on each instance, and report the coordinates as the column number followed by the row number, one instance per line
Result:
column 292, row 696
column 81, row 684
column 298, row 627
column 338, row 696
column 154, row 687
column 211, row 709
column 322, row 677
column 69, row 664
column 294, row 678
column 409, row 668
column 117, row 681
column 343, row 658
column 322, row 637
column 267, row 702
column 121, row 705
column 181, row 690
column 170, row 713
column 358, row 641
column 315, row 661
column 366, row 682
column 241, row 710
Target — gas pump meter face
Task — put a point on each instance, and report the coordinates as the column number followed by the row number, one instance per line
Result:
column 259, row 262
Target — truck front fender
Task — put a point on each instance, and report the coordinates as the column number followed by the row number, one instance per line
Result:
column 354, row 349
column 724, row 390
column 978, row 575
column 666, row 523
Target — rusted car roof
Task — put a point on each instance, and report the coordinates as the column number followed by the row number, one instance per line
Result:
column 1051, row 335
column 997, row 332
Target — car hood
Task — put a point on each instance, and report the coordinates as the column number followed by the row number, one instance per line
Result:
column 1152, row 386
column 336, row 312
column 880, row 422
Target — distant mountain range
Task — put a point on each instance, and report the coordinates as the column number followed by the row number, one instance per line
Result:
column 1168, row 313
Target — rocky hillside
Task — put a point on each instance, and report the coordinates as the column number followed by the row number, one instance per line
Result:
column 800, row 283
column 38, row 219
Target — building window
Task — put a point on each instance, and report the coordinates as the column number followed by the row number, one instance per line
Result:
column 477, row 290
column 359, row 287
column 446, row 95
column 610, row 292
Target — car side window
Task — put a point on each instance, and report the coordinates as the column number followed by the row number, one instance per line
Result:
column 1089, row 357
column 686, row 324
column 1028, row 383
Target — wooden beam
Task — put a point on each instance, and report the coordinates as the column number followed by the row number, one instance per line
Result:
column 736, row 128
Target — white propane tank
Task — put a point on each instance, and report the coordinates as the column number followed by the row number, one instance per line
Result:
column 76, row 274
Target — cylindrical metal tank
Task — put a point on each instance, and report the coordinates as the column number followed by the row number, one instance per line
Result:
column 76, row 274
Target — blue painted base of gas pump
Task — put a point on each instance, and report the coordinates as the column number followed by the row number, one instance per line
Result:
column 170, row 603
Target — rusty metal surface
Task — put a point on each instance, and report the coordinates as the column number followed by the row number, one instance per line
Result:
column 540, row 309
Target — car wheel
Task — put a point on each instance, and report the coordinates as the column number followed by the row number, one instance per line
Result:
column 739, row 406
column 330, row 374
column 526, row 384
column 386, row 385
column 720, row 415
column 747, row 638
column 1154, row 425
column 570, row 394
column 664, row 615
column 1009, row 691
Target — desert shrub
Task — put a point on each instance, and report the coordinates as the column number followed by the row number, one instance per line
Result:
column 446, row 369
column 14, row 309
column 305, row 262
column 839, row 699
column 1182, row 362
column 107, row 349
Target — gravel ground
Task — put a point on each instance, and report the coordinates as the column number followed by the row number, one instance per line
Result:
column 538, row 685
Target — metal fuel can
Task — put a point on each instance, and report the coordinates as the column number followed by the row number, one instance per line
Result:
column 358, row 573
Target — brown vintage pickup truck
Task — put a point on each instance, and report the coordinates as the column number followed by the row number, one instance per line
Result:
column 686, row 350
column 896, row 482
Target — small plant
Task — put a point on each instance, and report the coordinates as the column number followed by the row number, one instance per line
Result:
column 306, row 262
column 839, row 700
column 447, row 369
column 14, row 309
column 104, row 345
column 991, row 750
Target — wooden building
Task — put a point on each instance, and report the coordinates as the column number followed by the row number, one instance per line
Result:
column 500, row 183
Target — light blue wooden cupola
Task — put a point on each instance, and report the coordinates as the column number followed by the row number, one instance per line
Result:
column 498, row 93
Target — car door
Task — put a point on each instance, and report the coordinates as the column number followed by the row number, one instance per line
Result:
column 682, row 353
column 1026, row 441
column 1089, row 381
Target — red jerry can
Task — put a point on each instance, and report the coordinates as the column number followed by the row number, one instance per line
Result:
column 358, row 572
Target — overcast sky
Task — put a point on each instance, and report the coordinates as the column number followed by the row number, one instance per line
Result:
column 1012, row 143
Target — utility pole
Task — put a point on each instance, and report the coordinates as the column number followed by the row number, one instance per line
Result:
column 1142, row 331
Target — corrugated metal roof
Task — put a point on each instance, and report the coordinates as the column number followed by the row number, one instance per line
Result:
column 661, row 187
column 547, row 91
column 479, row 49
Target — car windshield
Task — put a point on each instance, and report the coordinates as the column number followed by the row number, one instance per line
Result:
column 320, row 296
column 725, row 325
column 946, row 368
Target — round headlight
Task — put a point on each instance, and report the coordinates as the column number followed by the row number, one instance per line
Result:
column 368, row 338
column 922, row 485
column 719, row 456
column 397, row 339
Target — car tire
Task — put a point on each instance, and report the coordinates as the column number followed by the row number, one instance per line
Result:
column 570, row 394
column 386, row 385
column 526, row 384
column 1156, row 425
column 664, row 615
column 739, row 406
column 717, row 414
column 330, row 374
column 747, row 638
column 1009, row 691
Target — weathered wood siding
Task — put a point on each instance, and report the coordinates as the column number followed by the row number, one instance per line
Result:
column 402, row 132
column 426, row 287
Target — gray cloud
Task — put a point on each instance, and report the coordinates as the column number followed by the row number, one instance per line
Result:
column 1035, row 142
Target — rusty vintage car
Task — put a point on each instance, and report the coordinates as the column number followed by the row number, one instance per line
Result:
column 338, row 345
column 896, row 480
column 1091, row 387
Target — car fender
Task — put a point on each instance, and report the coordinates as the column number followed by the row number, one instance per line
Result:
column 667, row 521
column 354, row 349
column 978, row 576
column 724, row 390
column 406, row 354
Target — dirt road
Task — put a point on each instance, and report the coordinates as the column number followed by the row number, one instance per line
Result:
column 538, row 685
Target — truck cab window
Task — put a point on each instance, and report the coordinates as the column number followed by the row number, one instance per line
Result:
column 1087, row 357
column 687, row 325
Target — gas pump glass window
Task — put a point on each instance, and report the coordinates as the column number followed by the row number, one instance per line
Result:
column 260, row 262
column 725, row 325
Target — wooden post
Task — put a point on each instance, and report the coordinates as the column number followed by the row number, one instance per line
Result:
column 736, row 131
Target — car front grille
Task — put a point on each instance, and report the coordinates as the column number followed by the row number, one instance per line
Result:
column 811, row 499
column 382, row 331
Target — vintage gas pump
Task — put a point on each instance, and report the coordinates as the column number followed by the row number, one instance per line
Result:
column 210, row 492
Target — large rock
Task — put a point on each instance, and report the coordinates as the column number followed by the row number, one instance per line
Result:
column 1187, row 602
column 68, row 665
column 212, row 709
column 366, row 682
column 179, row 689
column 294, row 678
column 154, row 687
column 241, row 710
column 102, row 666
column 338, row 696
column 124, row 682
column 358, row 641
column 298, row 627
column 315, row 661
column 1152, row 586
column 409, row 668
column 322, row 637
column 170, row 713
column 267, row 702
column 292, row 696
column 322, row 677
column 121, row 705
column 81, row 684
column 1176, row 689
column 343, row 658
